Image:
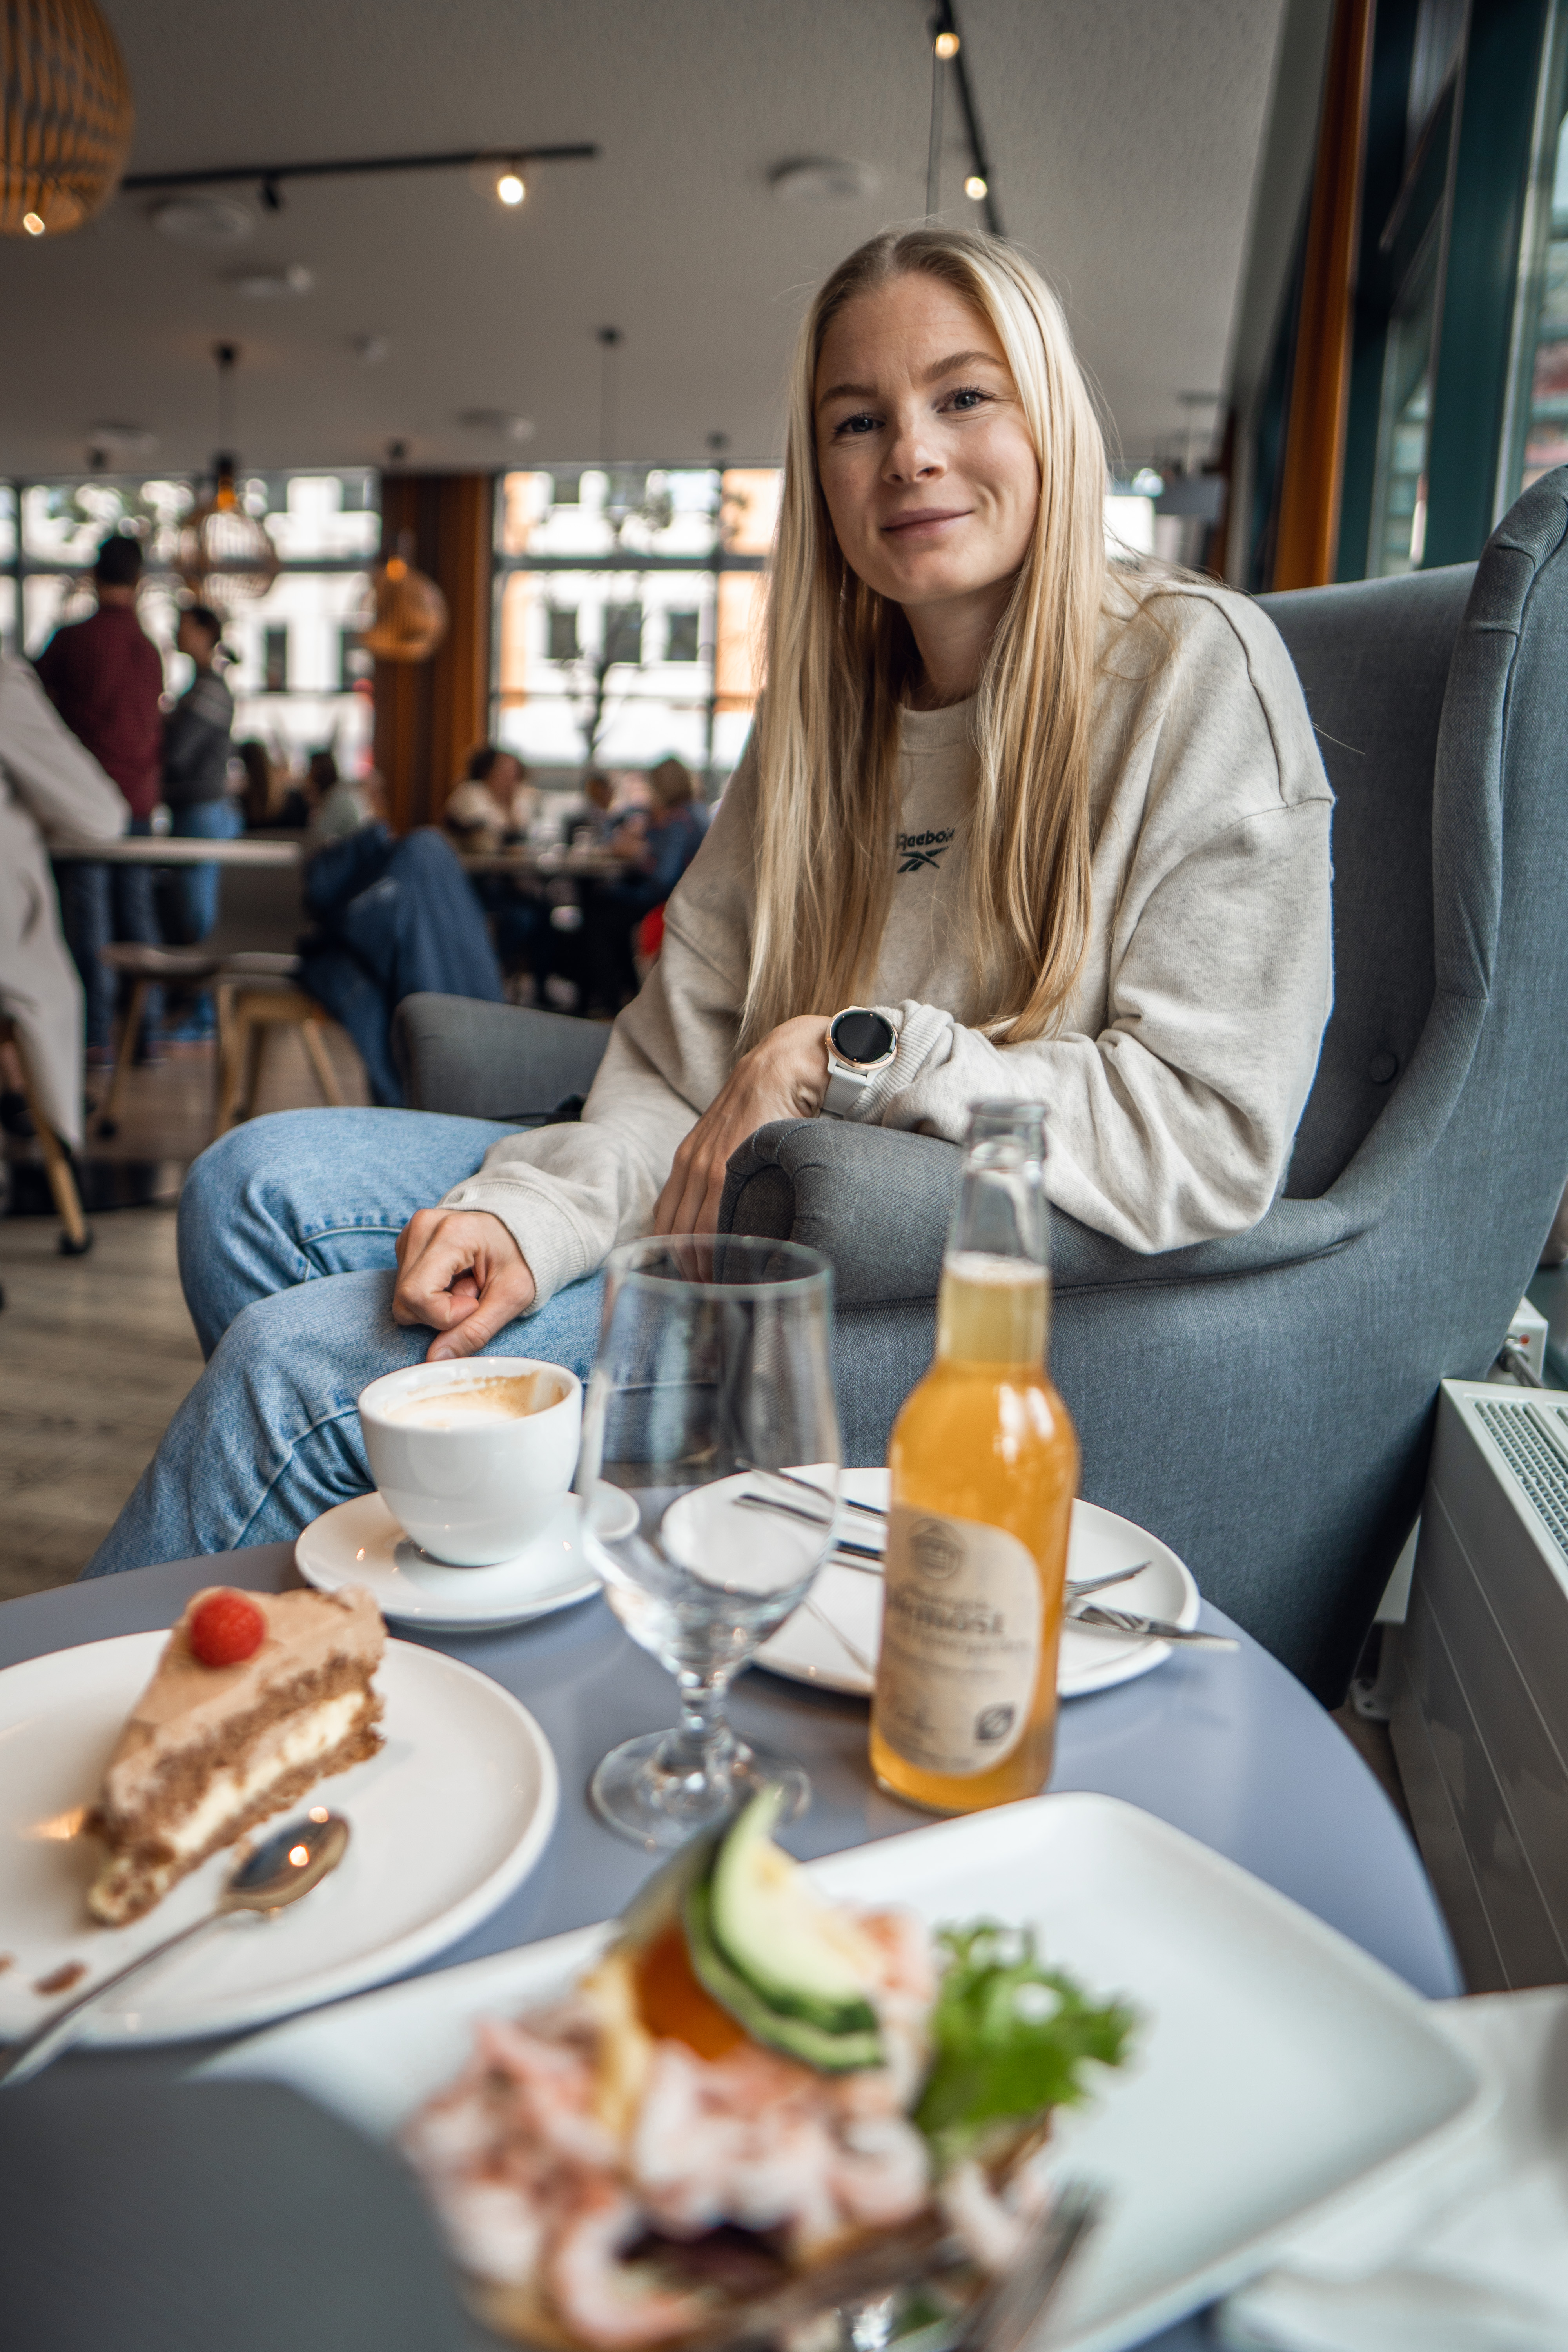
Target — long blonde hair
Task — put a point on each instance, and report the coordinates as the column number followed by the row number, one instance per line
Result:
column 841, row 658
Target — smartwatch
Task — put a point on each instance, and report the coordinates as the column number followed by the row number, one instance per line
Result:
column 859, row 1043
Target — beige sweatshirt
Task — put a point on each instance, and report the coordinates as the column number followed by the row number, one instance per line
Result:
column 1175, row 1081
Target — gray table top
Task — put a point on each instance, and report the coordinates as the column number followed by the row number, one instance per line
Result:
column 175, row 849
column 1227, row 1746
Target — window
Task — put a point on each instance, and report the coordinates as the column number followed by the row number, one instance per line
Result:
column 300, row 678
column 682, row 634
column 605, row 582
column 1399, row 498
column 354, row 665
column 1543, row 421
column 623, row 634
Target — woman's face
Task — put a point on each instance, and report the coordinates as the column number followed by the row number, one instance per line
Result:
column 926, row 462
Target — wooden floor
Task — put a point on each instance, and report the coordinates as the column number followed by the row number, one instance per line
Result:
column 96, row 1352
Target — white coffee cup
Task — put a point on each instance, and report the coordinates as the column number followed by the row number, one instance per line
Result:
column 473, row 1457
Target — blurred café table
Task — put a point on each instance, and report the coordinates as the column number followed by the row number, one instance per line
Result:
column 169, row 849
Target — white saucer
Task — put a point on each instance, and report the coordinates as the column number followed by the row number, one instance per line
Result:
column 362, row 1543
column 806, row 1650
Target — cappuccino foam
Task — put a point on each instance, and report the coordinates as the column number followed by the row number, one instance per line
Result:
column 511, row 1396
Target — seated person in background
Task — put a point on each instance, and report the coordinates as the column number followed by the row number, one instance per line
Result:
column 264, row 784
column 494, row 804
column 48, row 784
column 591, row 824
column 1061, row 819
column 659, row 847
column 347, row 805
column 198, row 745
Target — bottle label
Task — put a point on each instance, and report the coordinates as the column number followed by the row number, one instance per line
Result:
column 961, row 1642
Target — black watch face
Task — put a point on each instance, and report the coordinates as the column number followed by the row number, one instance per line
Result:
column 861, row 1036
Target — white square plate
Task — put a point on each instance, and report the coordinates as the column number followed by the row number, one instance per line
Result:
column 1274, row 2063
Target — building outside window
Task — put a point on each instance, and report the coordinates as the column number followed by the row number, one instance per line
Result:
column 629, row 602
column 300, row 681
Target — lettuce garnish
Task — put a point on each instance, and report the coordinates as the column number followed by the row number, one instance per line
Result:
column 1009, row 2038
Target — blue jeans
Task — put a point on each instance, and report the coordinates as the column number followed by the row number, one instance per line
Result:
column 287, row 1234
column 217, row 820
column 100, row 903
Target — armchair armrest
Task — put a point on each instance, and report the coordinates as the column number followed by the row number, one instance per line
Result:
column 877, row 1202
column 505, row 1062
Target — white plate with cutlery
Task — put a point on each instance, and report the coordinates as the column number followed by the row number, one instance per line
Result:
column 833, row 1638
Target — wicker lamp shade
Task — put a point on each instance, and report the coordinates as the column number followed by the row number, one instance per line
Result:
column 66, row 127
column 410, row 613
column 225, row 556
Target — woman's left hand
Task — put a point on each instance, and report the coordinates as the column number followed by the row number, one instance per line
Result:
column 783, row 1077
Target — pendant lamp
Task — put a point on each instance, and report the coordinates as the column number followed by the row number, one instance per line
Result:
column 225, row 556
column 66, row 115
column 410, row 610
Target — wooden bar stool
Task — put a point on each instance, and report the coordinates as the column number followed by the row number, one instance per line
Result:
column 256, row 995
column 76, row 1234
column 145, row 968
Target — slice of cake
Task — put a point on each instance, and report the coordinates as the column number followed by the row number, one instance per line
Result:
column 257, row 1696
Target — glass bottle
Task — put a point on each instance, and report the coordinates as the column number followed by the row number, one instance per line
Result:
column 984, row 1462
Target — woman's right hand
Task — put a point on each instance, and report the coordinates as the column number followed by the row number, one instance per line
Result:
column 459, row 1271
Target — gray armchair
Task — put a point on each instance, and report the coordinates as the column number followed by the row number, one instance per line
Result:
column 1265, row 1401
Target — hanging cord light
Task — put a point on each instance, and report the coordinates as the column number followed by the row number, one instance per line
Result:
column 66, row 115
column 947, row 52
column 410, row 618
column 225, row 556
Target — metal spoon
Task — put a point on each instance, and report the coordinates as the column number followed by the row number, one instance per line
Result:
column 291, row 1862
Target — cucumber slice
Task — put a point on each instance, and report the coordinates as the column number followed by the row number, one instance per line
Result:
column 793, row 2036
column 801, row 1957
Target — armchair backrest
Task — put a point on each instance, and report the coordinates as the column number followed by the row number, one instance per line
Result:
column 1373, row 661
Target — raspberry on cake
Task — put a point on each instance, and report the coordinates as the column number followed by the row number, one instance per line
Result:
column 256, row 1697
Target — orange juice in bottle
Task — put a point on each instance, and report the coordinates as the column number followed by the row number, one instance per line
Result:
column 984, row 1463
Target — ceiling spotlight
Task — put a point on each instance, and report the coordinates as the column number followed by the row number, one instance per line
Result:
column 946, row 45
column 32, row 223
column 976, row 187
column 503, row 422
column 371, row 349
column 510, row 188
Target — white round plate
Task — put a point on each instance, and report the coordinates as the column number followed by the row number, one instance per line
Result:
column 362, row 1543
column 447, row 1821
column 806, row 1650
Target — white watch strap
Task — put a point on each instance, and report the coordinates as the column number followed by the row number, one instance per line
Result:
column 845, row 1088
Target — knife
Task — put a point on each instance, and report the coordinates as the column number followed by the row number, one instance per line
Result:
column 1155, row 1629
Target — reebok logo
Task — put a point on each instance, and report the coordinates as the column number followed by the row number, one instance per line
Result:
column 918, row 850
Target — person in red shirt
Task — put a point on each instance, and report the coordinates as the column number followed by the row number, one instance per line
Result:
column 104, row 676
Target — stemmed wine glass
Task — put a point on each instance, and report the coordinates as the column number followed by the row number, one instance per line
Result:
column 709, row 1408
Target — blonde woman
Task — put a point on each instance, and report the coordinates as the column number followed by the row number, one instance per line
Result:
column 1056, row 823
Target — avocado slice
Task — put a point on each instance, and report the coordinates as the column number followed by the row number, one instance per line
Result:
column 793, row 2035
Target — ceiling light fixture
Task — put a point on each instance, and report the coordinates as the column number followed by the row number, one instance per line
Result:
column 509, row 161
column 503, row 422
column 511, row 187
column 822, row 180
column 203, row 220
column 66, row 115
column 225, row 556
column 947, row 52
column 274, row 285
column 411, row 617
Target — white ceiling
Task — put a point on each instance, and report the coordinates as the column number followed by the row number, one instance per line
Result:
column 1124, row 137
